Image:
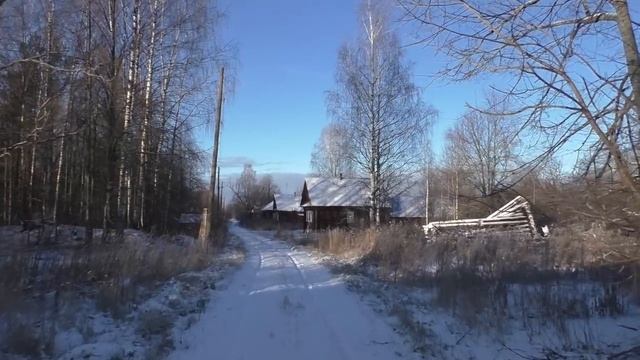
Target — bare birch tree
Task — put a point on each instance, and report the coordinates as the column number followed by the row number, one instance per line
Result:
column 484, row 146
column 379, row 104
column 98, row 104
column 573, row 66
column 331, row 154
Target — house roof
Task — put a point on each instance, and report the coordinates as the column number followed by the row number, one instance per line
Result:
column 287, row 202
column 268, row 207
column 405, row 206
column 335, row 192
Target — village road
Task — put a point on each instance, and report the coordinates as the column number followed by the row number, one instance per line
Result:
column 282, row 304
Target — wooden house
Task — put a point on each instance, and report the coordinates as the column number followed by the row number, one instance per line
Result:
column 330, row 203
column 285, row 209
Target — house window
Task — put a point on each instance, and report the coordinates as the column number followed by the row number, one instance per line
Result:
column 350, row 217
column 310, row 216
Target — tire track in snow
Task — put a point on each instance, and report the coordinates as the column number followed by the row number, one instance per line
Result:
column 250, row 319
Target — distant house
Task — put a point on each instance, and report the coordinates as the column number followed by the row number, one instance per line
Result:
column 285, row 209
column 189, row 223
column 408, row 209
column 331, row 203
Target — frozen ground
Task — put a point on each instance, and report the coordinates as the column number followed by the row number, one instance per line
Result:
column 289, row 302
column 563, row 319
column 499, row 331
column 72, row 324
column 283, row 304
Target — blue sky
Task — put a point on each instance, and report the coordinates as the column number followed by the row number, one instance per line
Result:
column 287, row 51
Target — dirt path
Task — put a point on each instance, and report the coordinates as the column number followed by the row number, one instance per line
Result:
column 283, row 305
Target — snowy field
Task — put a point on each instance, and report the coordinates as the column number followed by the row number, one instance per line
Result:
column 80, row 320
column 560, row 319
column 290, row 302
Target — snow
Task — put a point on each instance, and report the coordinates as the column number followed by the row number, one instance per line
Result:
column 405, row 206
column 287, row 202
column 355, row 193
column 284, row 304
column 82, row 329
column 337, row 192
column 519, row 329
column 268, row 207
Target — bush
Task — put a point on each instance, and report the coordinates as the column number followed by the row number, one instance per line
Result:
column 23, row 340
column 114, row 271
column 154, row 322
column 401, row 251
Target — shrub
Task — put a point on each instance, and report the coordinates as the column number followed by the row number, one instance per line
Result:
column 154, row 322
column 21, row 339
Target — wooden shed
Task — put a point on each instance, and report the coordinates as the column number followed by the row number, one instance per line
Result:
column 330, row 203
column 285, row 209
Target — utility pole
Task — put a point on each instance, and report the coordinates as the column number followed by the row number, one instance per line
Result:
column 426, row 200
column 214, row 161
column 456, row 218
column 218, row 191
column 220, row 186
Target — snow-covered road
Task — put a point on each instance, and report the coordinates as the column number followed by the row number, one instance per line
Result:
column 283, row 305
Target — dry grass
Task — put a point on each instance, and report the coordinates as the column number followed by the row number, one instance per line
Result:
column 45, row 289
column 490, row 281
column 401, row 251
column 477, row 277
column 155, row 322
column 113, row 272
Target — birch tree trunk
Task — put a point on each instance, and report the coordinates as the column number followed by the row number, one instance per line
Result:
column 147, row 116
column 89, row 136
column 165, row 113
column 111, row 126
column 42, row 103
column 167, row 204
column 124, row 175
column 60, row 164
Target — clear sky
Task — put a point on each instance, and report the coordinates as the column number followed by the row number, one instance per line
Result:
column 287, row 51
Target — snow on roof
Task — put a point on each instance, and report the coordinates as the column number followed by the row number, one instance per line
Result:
column 337, row 192
column 405, row 206
column 287, row 202
column 268, row 207
column 189, row 218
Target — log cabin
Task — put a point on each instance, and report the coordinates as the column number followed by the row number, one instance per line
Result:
column 330, row 203
column 285, row 209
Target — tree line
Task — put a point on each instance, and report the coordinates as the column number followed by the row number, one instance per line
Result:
column 98, row 102
column 568, row 82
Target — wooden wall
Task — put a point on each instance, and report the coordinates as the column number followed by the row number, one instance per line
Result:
column 318, row 218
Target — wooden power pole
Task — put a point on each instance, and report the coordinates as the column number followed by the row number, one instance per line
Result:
column 214, row 161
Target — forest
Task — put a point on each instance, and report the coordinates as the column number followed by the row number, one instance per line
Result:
column 99, row 101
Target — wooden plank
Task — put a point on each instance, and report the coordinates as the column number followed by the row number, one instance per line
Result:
column 515, row 215
column 518, row 200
